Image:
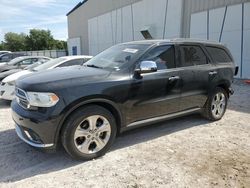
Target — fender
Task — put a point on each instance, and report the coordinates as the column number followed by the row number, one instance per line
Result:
column 81, row 102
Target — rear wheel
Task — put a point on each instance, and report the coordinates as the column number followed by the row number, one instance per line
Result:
column 89, row 132
column 216, row 105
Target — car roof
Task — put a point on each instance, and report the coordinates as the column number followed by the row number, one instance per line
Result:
column 176, row 41
column 76, row 57
column 28, row 57
column 4, row 51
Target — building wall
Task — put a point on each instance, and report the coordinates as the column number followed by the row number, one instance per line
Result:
column 228, row 25
column 163, row 19
column 74, row 46
column 193, row 6
column 78, row 20
column 116, row 21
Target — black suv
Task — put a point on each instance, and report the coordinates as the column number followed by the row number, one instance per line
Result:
column 126, row 86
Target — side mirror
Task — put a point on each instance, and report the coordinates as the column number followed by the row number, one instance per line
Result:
column 147, row 67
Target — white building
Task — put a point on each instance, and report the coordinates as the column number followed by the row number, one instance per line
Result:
column 95, row 25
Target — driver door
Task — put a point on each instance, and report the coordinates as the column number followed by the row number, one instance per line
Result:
column 157, row 93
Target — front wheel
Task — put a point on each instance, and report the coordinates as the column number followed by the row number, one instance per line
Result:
column 216, row 105
column 89, row 133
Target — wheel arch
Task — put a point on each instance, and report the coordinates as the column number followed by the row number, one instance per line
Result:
column 80, row 103
column 225, row 85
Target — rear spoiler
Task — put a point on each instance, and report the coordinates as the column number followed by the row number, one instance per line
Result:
column 236, row 71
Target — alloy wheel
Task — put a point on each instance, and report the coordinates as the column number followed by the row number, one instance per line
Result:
column 218, row 105
column 92, row 134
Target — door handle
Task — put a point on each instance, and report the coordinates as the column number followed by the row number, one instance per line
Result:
column 174, row 78
column 213, row 73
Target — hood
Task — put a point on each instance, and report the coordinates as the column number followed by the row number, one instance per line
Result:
column 9, row 72
column 14, row 77
column 7, row 67
column 61, row 77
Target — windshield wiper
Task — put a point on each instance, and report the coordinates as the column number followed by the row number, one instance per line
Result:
column 94, row 66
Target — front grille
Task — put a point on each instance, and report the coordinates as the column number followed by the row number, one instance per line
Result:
column 22, row 98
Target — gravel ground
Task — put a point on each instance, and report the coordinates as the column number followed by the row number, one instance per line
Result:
column 186, row 152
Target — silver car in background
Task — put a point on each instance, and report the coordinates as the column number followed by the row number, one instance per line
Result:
column 7, row 86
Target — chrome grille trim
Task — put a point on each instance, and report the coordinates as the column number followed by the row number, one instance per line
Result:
column 22, row 98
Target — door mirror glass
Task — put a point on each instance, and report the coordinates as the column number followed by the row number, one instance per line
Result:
column 147, row 67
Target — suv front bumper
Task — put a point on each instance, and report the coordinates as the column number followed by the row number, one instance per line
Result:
column 35, row 128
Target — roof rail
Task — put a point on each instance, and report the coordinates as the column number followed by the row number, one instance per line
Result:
column 195, row 40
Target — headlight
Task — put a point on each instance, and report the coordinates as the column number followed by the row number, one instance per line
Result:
column 42, row 99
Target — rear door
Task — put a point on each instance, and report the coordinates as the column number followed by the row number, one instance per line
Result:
column 196, row 74
column 225, row 65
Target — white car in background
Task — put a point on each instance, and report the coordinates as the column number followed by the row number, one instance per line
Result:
column 7, row 86
column 4, row 52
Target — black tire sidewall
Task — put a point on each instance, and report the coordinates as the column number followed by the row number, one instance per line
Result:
column 73, row 122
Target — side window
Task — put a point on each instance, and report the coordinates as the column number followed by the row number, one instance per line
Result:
column 219, row 55
column 72, row 62
column 42, row 60
column 86, row 60
column 26, row 62
column 164, row 56
column 192, row 55
column 7, row 57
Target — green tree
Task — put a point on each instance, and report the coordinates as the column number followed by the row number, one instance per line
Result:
column 39, row 40
column 14, row 41
column 1, row 46
column 36, row 40
column 60, row 45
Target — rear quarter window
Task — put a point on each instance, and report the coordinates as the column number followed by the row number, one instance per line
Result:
column 219, row 55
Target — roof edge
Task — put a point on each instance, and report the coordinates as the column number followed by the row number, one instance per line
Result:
column 76, row 7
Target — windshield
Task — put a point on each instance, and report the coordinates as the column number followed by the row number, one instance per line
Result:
column 49, row 64
column 117, row 57
column 15, row 61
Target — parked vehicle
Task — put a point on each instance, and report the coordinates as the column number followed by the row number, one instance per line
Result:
column 4, row 58
column 7, row 87
column 23, row 62
column 13, row 71
column 4, row 52
column 19, row 64
column 126, row 86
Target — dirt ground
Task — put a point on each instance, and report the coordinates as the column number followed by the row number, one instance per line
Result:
column 186, row 152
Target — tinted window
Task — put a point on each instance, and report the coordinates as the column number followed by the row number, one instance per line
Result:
column 72, row 62
column 192, row 55
column 219, row 55
column 42, row 60
column 164, row 56
column 28, row 61
column 6, row 57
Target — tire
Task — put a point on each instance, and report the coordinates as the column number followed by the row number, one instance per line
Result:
column 216, row 105
column 89, row 132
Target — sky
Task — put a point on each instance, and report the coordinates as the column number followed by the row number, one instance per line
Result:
column 22, row 15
